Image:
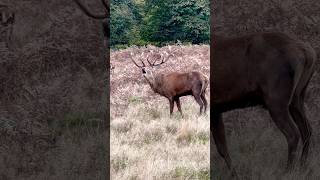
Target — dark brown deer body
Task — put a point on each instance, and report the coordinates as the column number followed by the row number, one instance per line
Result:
column 269, row 69
column 174, row 85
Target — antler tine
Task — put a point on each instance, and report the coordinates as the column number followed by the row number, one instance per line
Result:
column 161, row 62
column 148, row 59
column 142, row 60
column 143, row 65
column 170, row 53
column 163, row 59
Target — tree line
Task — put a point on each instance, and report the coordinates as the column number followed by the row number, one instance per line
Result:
column 159, row 22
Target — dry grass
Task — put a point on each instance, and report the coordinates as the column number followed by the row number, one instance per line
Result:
column 145, row 142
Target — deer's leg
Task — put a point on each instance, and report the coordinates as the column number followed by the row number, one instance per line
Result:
column 298, row 113
column 278, row 91
column 203, row 97
column 171, row 105
column 199, row 101
column 284, row 122
column 218, row 133
column 178, row 105
column 279, row 111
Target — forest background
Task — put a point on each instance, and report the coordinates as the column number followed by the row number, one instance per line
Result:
column 159, row 22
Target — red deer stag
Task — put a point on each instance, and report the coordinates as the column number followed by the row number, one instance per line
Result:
column 175, row 84
column 269, row 69
column 104, row 17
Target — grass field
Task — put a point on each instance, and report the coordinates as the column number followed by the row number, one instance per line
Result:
column 145, row 142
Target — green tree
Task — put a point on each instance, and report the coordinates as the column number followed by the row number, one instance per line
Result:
column 138, row 22
column 172, row 20
column 123, row 20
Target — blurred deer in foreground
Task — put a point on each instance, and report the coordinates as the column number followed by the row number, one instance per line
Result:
column 269, row 69
column 175, row 84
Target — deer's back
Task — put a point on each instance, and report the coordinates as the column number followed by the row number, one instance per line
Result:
column 179, row 83
column 243, row 65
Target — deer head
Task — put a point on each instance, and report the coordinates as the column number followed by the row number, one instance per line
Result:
column 154, row 59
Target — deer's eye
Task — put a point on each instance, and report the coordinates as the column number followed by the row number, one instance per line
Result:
column 144, row 71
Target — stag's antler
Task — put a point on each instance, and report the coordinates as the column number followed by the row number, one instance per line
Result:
column 164, row 58
column 148, row 58
column 132, row 59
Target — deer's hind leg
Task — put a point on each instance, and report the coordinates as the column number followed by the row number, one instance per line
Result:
column 299, row 116
column 278, row 93
column 204, row 100
column 196, row 92
column 177, row 100
column 298, row 111
column 218, row 133
column 171, row 102
column 199, row 101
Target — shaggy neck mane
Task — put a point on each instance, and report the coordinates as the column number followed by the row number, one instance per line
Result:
column 155, row 82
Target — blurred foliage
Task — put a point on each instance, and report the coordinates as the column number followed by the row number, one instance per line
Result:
column 141, row 22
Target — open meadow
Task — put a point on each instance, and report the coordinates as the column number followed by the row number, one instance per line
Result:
column 145, row 142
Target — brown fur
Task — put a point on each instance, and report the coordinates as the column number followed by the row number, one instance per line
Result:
column 175, row 84
column 269, row 69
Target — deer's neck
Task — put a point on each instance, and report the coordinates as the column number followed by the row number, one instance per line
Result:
column 155, row 83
